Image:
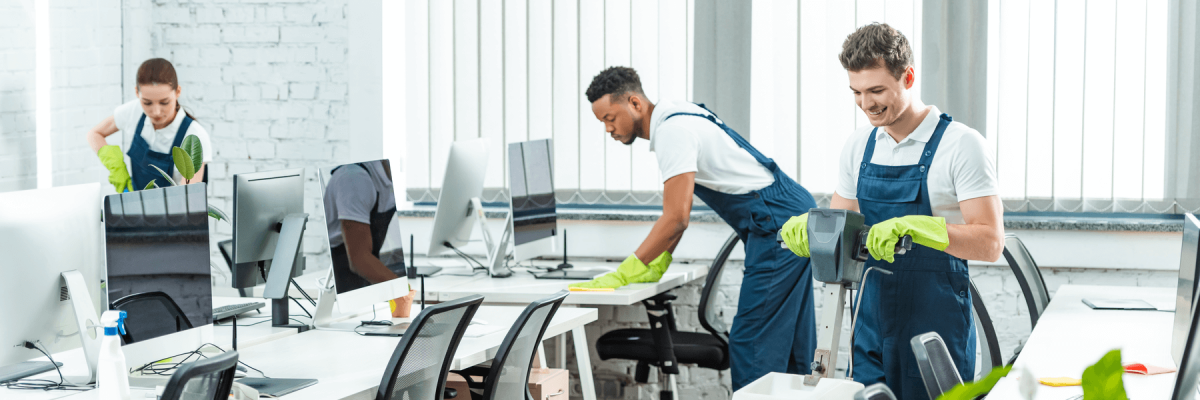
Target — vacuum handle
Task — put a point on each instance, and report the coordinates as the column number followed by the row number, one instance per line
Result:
column 904, row 245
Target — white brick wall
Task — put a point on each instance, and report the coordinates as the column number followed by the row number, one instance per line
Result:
column 18, row 160
column 268, row 81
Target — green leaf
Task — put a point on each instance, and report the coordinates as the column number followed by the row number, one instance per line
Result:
column 216, row 213
column 191, row 145
column 1102, row 381
column 183, row 163
column 164, row 174
column 150, row 185
column 971, row 390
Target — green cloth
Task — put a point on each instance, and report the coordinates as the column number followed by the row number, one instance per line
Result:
column 925, row 230
column 795, row 234
column 118, row 174
column 632, row 270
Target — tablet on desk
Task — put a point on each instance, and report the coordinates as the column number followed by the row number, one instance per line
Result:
column 1119, row 304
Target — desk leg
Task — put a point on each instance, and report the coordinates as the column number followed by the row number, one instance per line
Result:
column 583, row 358
column 560, row 347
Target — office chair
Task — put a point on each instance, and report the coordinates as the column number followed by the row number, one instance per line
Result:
column 508, row 376
column 207, row 379
column 418, row 367
column 1033, row 286
column 150, row 315
column 933, row 360
column 878, row 391
column 663, row 346
column 989, row 344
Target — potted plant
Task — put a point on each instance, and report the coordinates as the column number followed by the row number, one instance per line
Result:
column 402, row 307
column 188, row 157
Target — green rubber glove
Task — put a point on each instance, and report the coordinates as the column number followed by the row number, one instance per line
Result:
column 118, row 174
column 625, row 274
column 925, row 230
column 655, row 269
column 795, row 234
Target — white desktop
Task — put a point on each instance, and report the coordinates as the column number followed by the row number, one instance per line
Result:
column 50, row 279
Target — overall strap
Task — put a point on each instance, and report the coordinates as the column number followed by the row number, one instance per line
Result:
column 870, row 150
column 932, row 146
column 183, row 127
column 141, row 121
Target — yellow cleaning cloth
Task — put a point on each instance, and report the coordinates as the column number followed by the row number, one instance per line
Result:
column 1057, row 382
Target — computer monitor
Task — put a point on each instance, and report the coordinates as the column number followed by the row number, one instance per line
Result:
column 268, row 229
column 1185, row 298
column 462, row 185
column 156, row 256
column 362, row 195
column 531, row 185
column 45, row 233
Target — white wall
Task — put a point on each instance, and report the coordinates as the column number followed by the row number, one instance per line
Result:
column 18, row 161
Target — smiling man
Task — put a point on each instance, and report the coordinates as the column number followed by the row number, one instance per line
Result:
column 913, row 172
column 774, row 330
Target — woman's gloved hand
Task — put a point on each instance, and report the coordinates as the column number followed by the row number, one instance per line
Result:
column 795, row 234
column 630, row 271
column 118, row 174
column 925, row 230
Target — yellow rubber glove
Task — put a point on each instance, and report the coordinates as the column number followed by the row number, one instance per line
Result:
column 925, row 230
column 795, row 234
column 629, row 269
column 655, row 269
column 118, row 174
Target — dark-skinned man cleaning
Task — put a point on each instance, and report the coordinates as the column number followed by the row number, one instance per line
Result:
column 774, row 330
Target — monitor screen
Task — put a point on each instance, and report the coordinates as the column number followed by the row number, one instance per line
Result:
column 360, row 216
column 156, row 245
column 531, row 180
column 1185, row 298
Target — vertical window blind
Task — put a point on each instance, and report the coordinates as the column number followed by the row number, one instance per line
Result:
column 516, row 70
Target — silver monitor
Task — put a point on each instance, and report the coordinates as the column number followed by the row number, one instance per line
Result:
column 531, row 185
column 268, row 229
column 462, row 184
column 44, row 233
column 1185, row 299
column 156, row 254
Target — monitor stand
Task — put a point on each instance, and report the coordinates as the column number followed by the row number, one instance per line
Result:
column 498, row 251
column 87, row 321
column 287, row 250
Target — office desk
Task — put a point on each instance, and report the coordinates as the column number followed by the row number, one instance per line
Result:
column 1070, row 337
column 349, row 366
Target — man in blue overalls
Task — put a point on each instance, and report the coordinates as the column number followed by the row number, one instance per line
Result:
column 774, row 330
column 913, row 172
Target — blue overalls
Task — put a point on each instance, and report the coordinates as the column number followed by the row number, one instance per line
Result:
column 775, row 326
column 141, row 157
column 928, row 291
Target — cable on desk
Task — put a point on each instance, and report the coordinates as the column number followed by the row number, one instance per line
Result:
column 301, row 306
column 43, row 384
column 162, row 368
column 302, row 292
column 465, row 256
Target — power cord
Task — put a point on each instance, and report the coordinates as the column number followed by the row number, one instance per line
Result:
column 162, row 368
column 43, row 384
column 373, row 322
column 854, row 316
column 302, row 292
column 465, row 256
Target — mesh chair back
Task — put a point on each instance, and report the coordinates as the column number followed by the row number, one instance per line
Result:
column 1189, row 365
column 509, row 375
column 878, row 391
column 710, row 308
column 1033, row 286
column 150, row 315
column 989, row 343
column 934, row 362
column 207, row 379
column 418, row 367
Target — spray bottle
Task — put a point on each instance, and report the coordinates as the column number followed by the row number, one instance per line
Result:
column 113, row 379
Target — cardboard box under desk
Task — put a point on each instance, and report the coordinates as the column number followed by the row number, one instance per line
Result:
column 544, row 384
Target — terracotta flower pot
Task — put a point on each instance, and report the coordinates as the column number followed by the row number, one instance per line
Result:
column 404, row 305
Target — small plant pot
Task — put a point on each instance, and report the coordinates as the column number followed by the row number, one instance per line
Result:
column 404, row 305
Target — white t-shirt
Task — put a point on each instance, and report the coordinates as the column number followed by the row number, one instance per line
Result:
column 962, row 168
column 126, row 117
column 351, row 193
column 693, row 144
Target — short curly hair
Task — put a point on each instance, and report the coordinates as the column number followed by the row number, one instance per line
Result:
column 876, row 42
column 617, row 81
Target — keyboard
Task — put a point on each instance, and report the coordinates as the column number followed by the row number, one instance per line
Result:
column 222, row 312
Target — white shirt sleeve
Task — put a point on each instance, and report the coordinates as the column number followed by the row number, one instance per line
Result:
column 354, row 195
column 847, row 185
column 126, row 116
column 676, row 150
column 973, row 169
